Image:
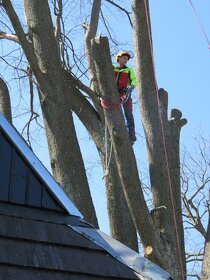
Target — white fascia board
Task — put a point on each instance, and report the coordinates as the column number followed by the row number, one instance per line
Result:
column 39, row 168
column 125, row 255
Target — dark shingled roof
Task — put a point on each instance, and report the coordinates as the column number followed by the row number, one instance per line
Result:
column 38, row 243
column 43, row 235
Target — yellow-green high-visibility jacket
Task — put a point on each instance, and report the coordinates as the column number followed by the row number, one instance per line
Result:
column 124, row 76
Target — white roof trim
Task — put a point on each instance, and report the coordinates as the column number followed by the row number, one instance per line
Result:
column 33, row 161
column 125, row 255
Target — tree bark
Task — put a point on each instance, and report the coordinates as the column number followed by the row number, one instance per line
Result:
column 90, row 33
column 123, row 151
column 118, row 212
column 206, row 261
column 120, row 221
column 162, row 138
column 5, row 105
column 119, row 215
column 43, row 58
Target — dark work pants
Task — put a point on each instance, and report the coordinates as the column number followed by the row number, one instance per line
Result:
column 128, row 111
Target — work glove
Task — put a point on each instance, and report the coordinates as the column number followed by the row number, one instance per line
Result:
column 129, row 89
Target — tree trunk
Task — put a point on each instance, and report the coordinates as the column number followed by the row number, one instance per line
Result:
column 5, row 106
column 90, row 33
column 125, row 159
column 118, row 212
column 120, row 221
column 119, row 215
column 42, row 54
column 162, row 138
column 64, row 149
column 206, row 261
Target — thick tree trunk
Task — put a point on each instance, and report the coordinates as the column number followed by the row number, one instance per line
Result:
column 5, row 106
column 90, row 33
column 162, row 143
column 64, row 149
column 120, row 220
column 118, row 212
column 43, row 58
column 119, row 216
column 123, row 151
column 206, row 261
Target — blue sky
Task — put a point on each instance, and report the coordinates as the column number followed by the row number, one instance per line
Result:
column 182, row 59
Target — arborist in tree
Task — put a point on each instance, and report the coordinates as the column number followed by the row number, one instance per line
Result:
column 126, row 82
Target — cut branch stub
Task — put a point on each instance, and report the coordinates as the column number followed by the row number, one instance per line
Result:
column 163, row 102
column 176, row 114
column 175, row 118
column 163, row 97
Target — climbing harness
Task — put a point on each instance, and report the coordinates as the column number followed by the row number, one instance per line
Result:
column 125, row 96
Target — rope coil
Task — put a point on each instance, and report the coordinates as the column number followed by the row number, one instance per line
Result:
column 111, row 105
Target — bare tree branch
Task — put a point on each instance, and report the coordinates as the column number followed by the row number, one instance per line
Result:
column 20, row 33
column 58, row 13
column 11, row 37
column 122, row 9
column 33, row 115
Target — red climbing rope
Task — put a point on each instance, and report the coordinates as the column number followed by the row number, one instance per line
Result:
column 164, row 145
column 109, row 105
column 200, row 23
